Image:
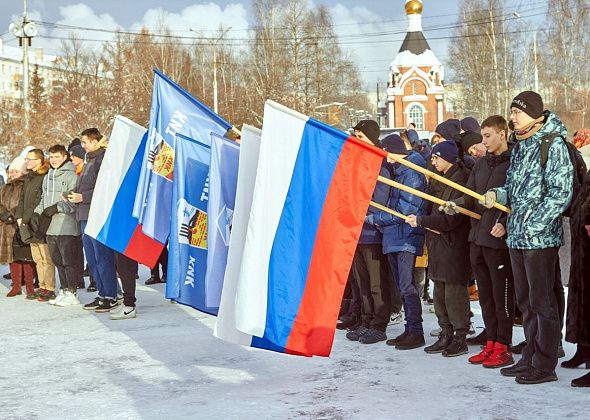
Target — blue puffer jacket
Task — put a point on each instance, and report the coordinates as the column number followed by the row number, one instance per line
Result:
column 537, row 197
column 398, row 236
column 370, row 235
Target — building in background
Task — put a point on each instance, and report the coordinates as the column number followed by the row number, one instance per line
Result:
column 415, row 89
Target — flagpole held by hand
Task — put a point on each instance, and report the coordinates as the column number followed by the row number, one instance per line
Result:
column 395, row 213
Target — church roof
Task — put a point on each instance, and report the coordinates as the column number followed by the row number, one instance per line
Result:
column 415, row 42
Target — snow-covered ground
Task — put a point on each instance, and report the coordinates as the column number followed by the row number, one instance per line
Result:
column 67, row 363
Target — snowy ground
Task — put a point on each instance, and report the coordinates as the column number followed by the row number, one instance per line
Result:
column 59, row 363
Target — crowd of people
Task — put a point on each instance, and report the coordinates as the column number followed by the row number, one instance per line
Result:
column 530, row 183
column 529, row 180
column 44, row 208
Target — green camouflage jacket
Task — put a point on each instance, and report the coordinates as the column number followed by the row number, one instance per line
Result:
column 537, row 197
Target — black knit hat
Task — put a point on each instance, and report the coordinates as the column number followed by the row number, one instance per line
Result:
column 394, row 144
column 468, row 139
column 78, row 151
column 446, row 150
column 449, row 129
column 370, row 129
column 529, row 102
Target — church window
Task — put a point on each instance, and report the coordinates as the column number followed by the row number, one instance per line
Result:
column 417, row 116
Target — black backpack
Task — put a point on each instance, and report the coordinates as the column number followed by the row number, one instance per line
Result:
column 580, row 169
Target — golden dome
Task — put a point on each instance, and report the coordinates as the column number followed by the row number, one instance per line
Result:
column 413, row 7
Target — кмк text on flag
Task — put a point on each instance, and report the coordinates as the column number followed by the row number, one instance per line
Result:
column 173, row 111
column 111, row 220
column 187, row 258
column 313, row 187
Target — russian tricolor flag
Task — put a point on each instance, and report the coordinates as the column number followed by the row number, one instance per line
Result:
column 311, row 194
column 111, row 220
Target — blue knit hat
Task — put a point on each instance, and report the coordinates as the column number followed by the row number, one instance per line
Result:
column 470, row 124
column 393, row 143
column 449, row 129
column 413, row 137
column 446, row 150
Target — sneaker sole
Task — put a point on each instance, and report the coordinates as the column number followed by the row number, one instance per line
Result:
column 456, row 354
column 523, row 382
column 508, row 363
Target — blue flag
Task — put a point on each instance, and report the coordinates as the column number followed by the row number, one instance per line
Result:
column 174, row 111
column 187, row 261
column 223, row 180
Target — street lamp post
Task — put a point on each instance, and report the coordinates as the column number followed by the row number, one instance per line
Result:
column 25, row 31
column 219, row 38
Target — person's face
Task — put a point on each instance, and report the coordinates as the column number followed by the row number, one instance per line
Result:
column 361, row 136
column 90, row 145
column 477, row 150
column 14, row 174
column 56, row 159
column 493, row 140
column 519, row 118
column 436, row 139
column 76, row 160
column 32, row 161
column 440, row 164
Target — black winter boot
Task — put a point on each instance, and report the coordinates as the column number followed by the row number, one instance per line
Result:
column 444, row 340
column 457, row 347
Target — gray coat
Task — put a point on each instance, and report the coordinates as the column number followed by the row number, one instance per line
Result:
column 57, row 182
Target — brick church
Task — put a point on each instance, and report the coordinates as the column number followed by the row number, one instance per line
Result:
column 415, row 90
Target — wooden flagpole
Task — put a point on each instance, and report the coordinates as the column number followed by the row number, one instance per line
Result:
column 395, row 213
column 430, row 174
column 425, row 196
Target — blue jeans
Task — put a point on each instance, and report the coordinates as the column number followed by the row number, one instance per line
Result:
column 101, row 263
column 401, row 265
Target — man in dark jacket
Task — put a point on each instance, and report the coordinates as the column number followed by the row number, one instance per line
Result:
column 402, row 243
column 32, row 193
column 101, row 259
column 537, row 196
column 490, row 259
column 449, row 251
column 369, row 264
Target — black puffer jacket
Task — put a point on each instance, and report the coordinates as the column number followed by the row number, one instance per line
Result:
column 87, row 181
column 449, row 250
column 31, row 196
column 489, row 172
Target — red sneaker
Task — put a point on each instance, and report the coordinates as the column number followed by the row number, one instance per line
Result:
column 500, row 357
column 483, row 355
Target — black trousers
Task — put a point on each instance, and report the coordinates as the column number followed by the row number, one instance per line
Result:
column 66, row 254
column 534, row 281
column 127, row 270
column 374, row 280
column 162, row 261
column 495, row 284
column 451, row 306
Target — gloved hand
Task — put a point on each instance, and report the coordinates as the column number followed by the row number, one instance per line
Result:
column 5, row 216
column 449, row 207
column 50, row 211
column 489, row 199
column 370, row 219
column 34, row 222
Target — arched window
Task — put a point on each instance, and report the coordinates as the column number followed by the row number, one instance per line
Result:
column 417, row 117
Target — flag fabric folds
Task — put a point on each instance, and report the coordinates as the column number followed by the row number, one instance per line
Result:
column 223, row 176
column 111, row 220
column 187, row 259
column 312, row 190
column 173, row 111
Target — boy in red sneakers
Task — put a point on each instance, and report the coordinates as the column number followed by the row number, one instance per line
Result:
column 490, row 259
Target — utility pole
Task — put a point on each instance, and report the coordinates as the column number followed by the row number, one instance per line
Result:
column 25, row 31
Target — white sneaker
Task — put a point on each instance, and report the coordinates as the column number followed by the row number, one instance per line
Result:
column 127, row 312
column 68, row 300
column 57, row 299
column 396, row 318
column 117, row 309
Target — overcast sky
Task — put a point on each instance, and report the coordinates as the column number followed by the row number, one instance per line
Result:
column 371, row 53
